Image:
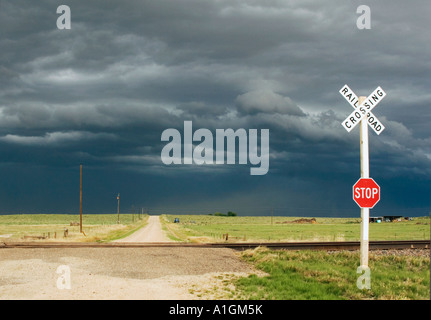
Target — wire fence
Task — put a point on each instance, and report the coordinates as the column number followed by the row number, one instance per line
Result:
column 282, row 211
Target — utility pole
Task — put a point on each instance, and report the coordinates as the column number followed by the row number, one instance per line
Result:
column 118, row 209
column 80, row 198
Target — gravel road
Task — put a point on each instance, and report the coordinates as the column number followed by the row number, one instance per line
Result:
column 115, row 273
column 152, row 232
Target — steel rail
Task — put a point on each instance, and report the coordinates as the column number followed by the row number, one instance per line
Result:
column 336, row 246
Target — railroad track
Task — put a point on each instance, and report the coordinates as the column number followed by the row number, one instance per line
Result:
column 329, row 246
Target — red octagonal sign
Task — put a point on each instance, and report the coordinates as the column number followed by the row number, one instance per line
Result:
column 366, row 193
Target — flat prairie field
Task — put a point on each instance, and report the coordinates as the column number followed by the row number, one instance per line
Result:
column 207, row 228
column 52, row 227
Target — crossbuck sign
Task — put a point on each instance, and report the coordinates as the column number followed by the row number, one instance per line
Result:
column 370, row 191
column 364, row 110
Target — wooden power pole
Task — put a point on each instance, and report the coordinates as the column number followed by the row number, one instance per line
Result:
column 80, row 198
column 118, row 209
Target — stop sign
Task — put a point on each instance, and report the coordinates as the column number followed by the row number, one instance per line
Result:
column 366, row 193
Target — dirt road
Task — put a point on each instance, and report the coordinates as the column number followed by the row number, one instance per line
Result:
column 150, row 233
column 117, row 273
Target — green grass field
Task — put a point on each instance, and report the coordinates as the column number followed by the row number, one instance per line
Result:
column 96, row 227
column 205, row 228
column 212, row 228
column 319, row 275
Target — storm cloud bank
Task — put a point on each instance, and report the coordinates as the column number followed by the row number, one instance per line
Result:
column 102, row 93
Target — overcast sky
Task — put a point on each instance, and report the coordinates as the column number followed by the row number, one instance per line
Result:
column 102, row 93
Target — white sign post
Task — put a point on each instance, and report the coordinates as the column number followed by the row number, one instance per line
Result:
column 365, row 173
column 362, row 114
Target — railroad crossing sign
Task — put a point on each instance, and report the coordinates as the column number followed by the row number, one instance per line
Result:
column 366, row 193
column 363, row 110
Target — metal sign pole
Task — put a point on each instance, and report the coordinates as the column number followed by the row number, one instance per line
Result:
column 365, row 173
column 362, row 115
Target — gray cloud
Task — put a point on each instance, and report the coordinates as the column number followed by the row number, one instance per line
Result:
column 104, row 91
column 266, row 101
column 55, row 138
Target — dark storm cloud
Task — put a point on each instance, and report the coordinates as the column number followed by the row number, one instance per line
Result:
column 266, row 102
column 102, row 93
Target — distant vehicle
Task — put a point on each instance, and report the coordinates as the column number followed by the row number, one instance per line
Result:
column 176, row 220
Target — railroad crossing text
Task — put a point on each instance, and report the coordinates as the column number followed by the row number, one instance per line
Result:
column 364, row 110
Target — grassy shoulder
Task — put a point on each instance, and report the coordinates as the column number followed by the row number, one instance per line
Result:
column 173, row 230
column 51, row 227
column 319, row 275
column 204, row 228
column 124, row 231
